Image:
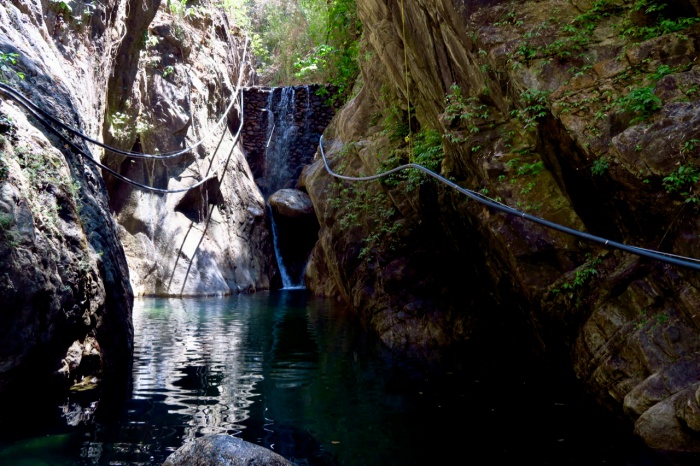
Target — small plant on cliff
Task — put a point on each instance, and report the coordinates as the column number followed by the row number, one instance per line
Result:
column 642, row 102
column 683, row 180
column 61, row 6
column 658, row 21
column 600, row 166
column 573, row 288
column 4, row 170
column 177, row 7
column 689, row 147
column 7, row 221
column 535, row 108
column 8, row 66
column 395, row 124
column 465, row 116
column 428, row 152
column 369, row 208
column 119, row 126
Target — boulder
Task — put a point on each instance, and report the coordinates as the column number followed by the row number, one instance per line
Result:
column 291, row 203
column 224, row 450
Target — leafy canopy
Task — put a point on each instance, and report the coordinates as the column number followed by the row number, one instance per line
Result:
column 302, row 41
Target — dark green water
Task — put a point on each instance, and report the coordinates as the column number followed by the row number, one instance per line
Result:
column 297, row 375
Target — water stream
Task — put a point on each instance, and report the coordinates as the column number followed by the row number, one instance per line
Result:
column 289, row 282
column 282, row 168
column 298, row 375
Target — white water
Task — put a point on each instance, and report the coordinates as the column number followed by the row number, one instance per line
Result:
column 287, row 282
column 279, row 172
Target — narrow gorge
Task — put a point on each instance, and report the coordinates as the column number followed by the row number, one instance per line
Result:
column 582, row 113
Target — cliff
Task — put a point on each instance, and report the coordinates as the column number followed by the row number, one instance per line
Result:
column 178, row 76
column 66, row 299
column 77, row 240
column 579, row 112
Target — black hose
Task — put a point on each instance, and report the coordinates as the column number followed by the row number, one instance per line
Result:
column 655, row 255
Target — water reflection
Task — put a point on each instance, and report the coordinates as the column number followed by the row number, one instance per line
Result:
column 190, row 355
column 298, row 375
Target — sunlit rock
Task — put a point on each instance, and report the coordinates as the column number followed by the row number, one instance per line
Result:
column 291, row 203
column 224, row 450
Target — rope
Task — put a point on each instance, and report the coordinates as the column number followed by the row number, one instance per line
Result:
column 687, row 262
column 117, row 175
column 409, row 138
column 12, row 93
column 48, row 121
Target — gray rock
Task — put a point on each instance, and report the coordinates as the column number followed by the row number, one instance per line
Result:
column 291, row 203
column 212, row 240
column 214, row 450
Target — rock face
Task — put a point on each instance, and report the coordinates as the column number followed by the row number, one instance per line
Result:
column 66, row 299
column 582, row 113
column 175, row 90
column 224, row 450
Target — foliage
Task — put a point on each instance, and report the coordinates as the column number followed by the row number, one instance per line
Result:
column 640, row 101
column 358, row 205
column 689, row 146
column 469, row 112
column 683, row 180
column 656, row 320
column 600, row 166
column 119, row 125
column 61, row 6
column 181, row 9
column 8, row 66
column 468, row 109
column 573, row 289
column 302, row 41
column 535, row 107
column 658, row 22
column 583, row 275
column 11, row 236
column 395, row 124
column 427, row 151
column 551, row 39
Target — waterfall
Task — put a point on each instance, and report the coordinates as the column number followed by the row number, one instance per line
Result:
column 288, row 283
column 283, row 164
column 282, row 133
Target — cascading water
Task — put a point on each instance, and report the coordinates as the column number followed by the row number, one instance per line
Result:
column 283, row 165
column 288, row 282
column 282, row 134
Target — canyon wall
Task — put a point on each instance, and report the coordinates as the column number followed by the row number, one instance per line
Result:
column 66, row 300
column 579, row 112
column 77, row 240
column 177, row 88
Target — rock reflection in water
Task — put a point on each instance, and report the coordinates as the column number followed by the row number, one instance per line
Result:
column 194, row 358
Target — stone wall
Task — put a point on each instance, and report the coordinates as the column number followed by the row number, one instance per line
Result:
column 309, row 115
